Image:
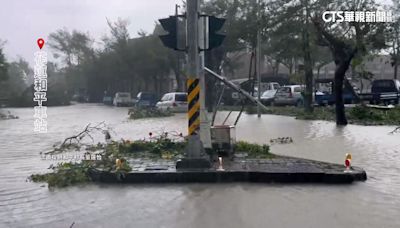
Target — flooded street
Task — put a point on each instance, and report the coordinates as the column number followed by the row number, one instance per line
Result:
column 374, row 203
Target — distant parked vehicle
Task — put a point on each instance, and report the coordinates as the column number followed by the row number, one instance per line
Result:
column 268, row 97
column 326, row 96
column 385, row 91
column 122, row 99
column 232, row 97
column 289, row 95
column 146, row 99
column 80, row 98
column 107, row 100
column 174, row 102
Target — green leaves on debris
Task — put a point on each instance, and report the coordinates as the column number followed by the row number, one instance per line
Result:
column 139, row 113
column 64, row 174
column 373, row 116
column 71, row 173
column 160, row 147
column 114, row 156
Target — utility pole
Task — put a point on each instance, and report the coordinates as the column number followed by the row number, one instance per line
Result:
column 205, row 127
column 178, row 64
column 195, row 149
column 258, row 56
column 199, row 37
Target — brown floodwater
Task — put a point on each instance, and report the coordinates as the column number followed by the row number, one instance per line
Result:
column 374, row 203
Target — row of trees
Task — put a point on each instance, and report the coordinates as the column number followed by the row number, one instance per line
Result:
column 293, row 31
column 16, row 81
column 123, row 64
column 118, row 63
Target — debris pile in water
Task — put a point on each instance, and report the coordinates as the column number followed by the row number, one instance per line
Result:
column 139, row 113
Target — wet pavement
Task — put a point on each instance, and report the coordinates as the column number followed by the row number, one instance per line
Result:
column 374, row 203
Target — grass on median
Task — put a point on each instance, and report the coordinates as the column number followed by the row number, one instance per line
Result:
column 254, row 150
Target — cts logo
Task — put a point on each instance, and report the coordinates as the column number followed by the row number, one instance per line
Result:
column 333, row 16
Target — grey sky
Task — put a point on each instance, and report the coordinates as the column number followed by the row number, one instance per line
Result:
column 24, row 21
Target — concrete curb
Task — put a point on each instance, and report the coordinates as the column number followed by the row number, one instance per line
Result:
column 213, row 176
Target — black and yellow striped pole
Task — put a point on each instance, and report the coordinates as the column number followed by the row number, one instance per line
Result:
column 193, row 90
column 196, row 157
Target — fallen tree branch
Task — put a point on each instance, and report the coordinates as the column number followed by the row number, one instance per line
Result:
column 76, row 140
column 395, row 130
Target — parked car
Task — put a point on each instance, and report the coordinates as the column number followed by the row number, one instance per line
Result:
column 268, row 96
column 385, row 91
column 80, row 98
column 232, row 97
column 325, row 95
column 122, row 99
column 146, row 99
column 107, row 100
column 174, row 102
column 289, row 95
column 265, row 86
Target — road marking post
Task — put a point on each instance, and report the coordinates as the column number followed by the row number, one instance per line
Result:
column 193, row 89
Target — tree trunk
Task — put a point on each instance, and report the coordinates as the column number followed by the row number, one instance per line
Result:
column 340, row 71
column 180, row 82
column 361, row 85
column 250, row 73
column 395, row 69
column 276, row 68
column 342, row 54
column 309, row 78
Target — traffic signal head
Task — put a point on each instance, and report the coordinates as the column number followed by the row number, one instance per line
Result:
column 169, row 24
column 214, row 25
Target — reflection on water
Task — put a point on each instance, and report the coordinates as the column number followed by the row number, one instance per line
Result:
column 375, row 203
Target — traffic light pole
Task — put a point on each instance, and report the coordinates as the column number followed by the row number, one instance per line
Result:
column 192, row 38
column 258, row 57
column 195, row 151
column 199, row 37
column 205, row 127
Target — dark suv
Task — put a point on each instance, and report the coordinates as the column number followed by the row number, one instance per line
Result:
column 385, row 91
column 146, row 99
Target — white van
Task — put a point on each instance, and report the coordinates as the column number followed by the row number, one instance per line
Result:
column 174, row 102
column 122, row 99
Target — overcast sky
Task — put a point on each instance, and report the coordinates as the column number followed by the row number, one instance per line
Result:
column 24, row 21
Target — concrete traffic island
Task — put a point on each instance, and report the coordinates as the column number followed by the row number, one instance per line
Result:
column 278, row 169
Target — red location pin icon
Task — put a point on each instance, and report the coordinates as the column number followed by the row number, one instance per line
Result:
column 40, row 43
